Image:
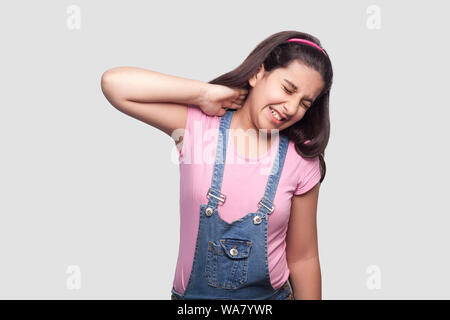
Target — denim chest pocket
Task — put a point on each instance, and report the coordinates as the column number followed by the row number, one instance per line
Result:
column 227, row 263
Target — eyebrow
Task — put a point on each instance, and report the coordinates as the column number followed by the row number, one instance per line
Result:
column 295, row 89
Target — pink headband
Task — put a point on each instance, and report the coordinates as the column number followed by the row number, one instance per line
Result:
column 307, row 42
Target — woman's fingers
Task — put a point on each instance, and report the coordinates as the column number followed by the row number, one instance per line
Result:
column 236, row 105
column 241, row 97
column 236, row 102
column 241, row 92
column 222, row 111
column 239, row 100
column 232, row 104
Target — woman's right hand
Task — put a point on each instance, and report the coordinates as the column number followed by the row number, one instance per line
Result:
column 218, row 97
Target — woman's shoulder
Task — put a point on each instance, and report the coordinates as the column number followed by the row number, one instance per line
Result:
column 305, row 170
column 298, row 158
column 196, row 117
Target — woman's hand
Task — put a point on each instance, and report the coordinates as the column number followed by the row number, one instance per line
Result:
column 217, row 98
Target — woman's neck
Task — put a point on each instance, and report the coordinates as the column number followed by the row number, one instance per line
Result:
column 242, row 120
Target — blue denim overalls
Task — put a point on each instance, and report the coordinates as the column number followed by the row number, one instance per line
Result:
column 230, row 260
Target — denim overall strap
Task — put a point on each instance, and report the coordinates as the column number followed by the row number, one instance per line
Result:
column 214, row 195
column 266, row 203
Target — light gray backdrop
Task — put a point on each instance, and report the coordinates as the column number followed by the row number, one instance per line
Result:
column 89, row 197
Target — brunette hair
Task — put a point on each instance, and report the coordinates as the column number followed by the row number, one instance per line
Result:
column 276, row 52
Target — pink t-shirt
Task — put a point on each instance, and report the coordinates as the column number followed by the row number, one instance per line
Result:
column 244, row 182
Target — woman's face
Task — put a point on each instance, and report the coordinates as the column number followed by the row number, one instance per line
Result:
column 287, row 91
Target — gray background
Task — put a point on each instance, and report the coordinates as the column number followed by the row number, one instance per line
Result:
column 82, row 184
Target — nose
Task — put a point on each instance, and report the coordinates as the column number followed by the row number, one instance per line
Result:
column 288, row 111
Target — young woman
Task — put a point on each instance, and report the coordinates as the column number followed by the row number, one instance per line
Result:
column 248, row 226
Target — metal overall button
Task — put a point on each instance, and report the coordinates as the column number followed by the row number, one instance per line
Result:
column 233, row 251
column 257, row 220
column 209, row 211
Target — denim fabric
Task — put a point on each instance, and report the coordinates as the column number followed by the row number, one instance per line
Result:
column 230, row 259
column 283, row 293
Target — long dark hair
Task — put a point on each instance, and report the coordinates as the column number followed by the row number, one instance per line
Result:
column 276, row 52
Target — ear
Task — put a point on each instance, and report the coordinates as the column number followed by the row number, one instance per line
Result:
column 257, row 76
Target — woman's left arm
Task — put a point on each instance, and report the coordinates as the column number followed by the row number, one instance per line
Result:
column 302, row 252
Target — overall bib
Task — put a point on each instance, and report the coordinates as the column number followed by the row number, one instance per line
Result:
column 230, row 259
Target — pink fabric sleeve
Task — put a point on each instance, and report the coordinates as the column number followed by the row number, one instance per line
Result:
column 193, row 113
column 310, row 176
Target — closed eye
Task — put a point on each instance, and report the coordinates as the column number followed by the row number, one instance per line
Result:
column 290, row 92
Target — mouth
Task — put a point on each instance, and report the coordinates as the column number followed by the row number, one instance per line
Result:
column 276, row 117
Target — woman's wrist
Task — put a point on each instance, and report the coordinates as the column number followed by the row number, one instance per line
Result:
column 202, row 96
